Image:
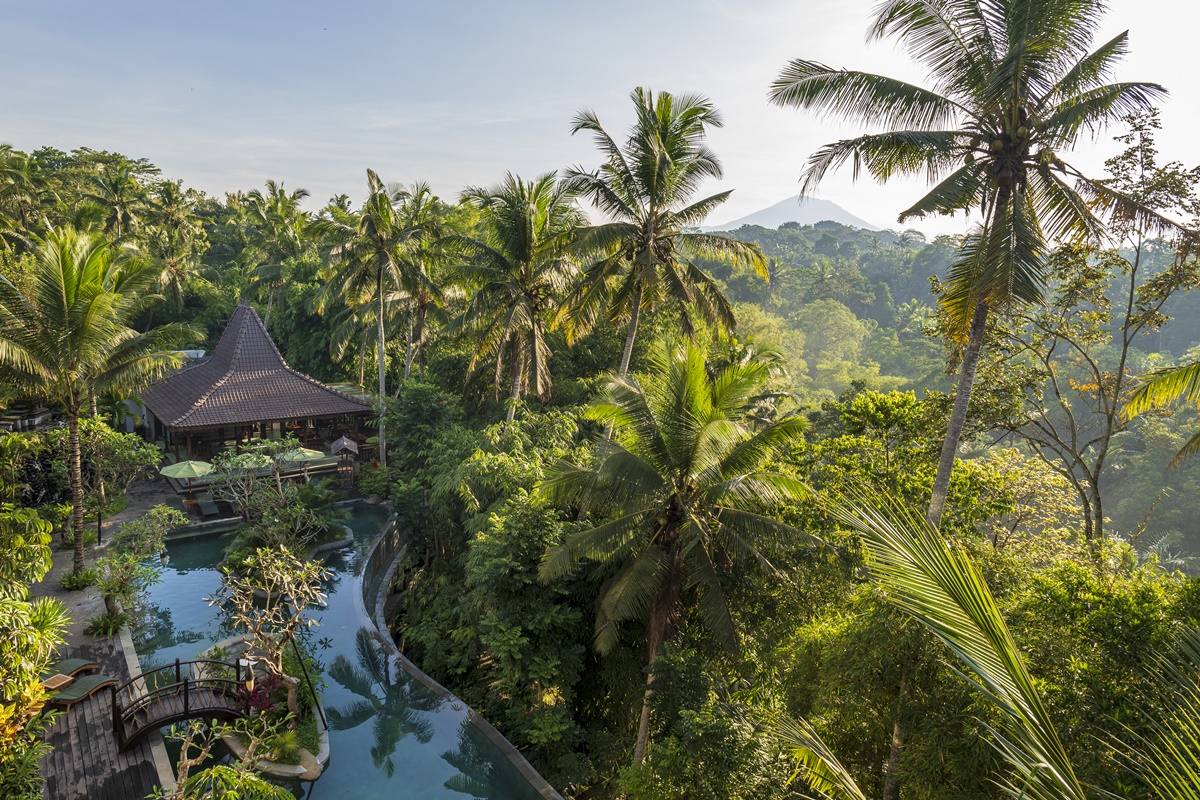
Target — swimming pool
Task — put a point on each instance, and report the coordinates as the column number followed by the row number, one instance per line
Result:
column 390, row 735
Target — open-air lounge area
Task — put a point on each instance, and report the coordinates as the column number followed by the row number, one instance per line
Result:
column 241, row 396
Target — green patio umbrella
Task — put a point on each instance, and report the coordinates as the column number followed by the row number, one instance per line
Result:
column 186, row 470
column 303, row 455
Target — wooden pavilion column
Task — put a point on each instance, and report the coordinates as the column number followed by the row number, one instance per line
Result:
column 189, row 445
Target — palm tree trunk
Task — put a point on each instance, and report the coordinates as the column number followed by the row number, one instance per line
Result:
column 408, row 350
column 958, row 416
column 270, row 301
column 75, row 468
column 643, row 734
column 514, row 385
column 362, row 361
column 382, row 383
column 633, row 325
column 891, row 779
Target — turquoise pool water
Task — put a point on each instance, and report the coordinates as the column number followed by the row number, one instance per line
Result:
column 390, row 737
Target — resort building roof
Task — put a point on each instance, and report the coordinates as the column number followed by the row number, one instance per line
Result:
column 245, row 381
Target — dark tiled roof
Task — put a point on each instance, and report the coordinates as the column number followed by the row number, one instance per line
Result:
column 245, row 381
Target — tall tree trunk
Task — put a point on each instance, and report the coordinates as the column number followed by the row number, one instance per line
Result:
column 362, row 361
column 408, row 350
column 382, row 383
column 958, row 416
column 75, row 467
column 643, row 733
column 891, row 778
column 514, row 383
column 633, row 326
column 270, row 302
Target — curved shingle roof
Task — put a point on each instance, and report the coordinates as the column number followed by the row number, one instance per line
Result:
column 245, row 381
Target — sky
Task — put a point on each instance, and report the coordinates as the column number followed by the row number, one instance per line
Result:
column 225, row 95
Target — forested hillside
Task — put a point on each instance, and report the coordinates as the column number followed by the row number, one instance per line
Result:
column 824, row 359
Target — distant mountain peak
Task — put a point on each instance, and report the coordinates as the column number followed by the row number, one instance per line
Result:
column 804, row 210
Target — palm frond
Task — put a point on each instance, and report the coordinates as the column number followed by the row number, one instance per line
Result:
column 887, row 155
column 861, row 97
column 934, row 581
column 1165, row 387
column 817, row 766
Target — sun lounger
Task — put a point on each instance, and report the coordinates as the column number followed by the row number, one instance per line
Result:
column 208, row 508
column 71, row 667
column 81, row 689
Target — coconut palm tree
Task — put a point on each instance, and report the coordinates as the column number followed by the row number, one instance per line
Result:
column 425, row 216
column 520, row 270
column 1166, row 387
column 68, row 338
column 21, row 184
column 116, row 189
column 176, row 238
column 1014, row 85
column 684, row 488
column 276, row 225
column 648, row 251
column 934, row 581
column 401, row 711
column 371, row 255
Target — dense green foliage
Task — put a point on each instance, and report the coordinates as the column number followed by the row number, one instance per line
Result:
column 621, row 548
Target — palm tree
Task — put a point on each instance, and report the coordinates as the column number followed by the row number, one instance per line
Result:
column 371, row 250
column 684, row 486
column 1166, row 387
column 276, row 223
column 647, row 189
column 425, row 216
column 1014, row 86
column 934, row 581
column 68, row 337
column 520, row 270
column 117, row 191
column 20, row 186
column 394, row 716
column 175, row 241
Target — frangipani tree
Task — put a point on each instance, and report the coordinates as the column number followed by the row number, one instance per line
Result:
column 266, row 594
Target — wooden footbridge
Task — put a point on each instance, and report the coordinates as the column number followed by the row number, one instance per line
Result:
column 200, row 689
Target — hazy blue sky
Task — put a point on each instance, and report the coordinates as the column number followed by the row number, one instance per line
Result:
column 227, row 94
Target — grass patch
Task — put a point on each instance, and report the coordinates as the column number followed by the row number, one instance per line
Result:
column 309, row 733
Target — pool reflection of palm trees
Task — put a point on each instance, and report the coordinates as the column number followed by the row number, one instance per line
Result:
column 398, row 713
column 482, row 775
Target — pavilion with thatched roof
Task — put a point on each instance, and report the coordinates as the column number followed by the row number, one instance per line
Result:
column 246, row 391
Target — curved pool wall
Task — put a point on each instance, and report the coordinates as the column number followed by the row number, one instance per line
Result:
column 378, row 567
column 395, row 732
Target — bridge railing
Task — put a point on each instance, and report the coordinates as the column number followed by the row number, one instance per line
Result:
column 148, row 700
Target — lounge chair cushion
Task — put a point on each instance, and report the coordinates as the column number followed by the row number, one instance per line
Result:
column 71, row 667
column 81, row 689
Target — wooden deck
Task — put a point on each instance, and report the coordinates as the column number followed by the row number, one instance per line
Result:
column 85, row 763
